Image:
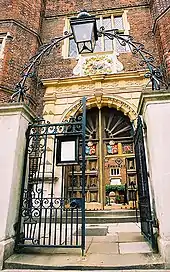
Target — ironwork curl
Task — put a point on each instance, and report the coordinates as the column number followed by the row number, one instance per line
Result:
column 35, row 212
column 36, row 202
column 35, row 241
column 57, row 203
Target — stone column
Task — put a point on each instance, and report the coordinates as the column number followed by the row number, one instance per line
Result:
column 155, row 108
column 14, row 119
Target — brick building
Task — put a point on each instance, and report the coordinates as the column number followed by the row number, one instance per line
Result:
column 111, row 78
column 24, row 26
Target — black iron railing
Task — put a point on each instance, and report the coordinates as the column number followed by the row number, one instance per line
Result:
column 146, row 219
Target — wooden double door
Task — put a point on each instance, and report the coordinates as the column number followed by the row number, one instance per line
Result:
column 109, row 148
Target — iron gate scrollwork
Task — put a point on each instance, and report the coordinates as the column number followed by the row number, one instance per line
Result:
column 48, row 216
column 146, row 219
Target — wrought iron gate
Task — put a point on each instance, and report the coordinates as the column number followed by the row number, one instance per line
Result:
column 146, row 218
column 48, row 216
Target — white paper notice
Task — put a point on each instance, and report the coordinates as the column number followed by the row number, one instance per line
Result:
column 68, row 151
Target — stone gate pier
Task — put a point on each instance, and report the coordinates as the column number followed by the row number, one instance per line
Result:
column 14, row 119
column 155, row 109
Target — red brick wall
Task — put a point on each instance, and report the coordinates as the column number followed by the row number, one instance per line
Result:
column 161, row 28
column 162, row 33
column 59, row 7
column 23, row 20
column 158, row 7
column 24, row 11
column 16, row 54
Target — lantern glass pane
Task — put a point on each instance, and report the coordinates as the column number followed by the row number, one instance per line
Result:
column 83, row 32
column 80, row 47
column 84, row 47
column 88, row 45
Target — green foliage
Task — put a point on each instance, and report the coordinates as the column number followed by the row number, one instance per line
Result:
column 118, row 198
column 113, row 188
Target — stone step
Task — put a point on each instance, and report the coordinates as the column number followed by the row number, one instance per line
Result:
column 95, row 220
column 136, row 270
column 78, row 263
column 99, row 217
column 109, row 213
column 106, row 219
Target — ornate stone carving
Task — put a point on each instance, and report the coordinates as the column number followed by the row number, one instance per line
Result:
column 98, row 64
column 98, row 97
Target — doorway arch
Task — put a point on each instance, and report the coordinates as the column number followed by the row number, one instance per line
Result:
column 100, row 100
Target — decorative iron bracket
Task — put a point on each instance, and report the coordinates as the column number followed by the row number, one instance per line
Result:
column 154, row 74
column 34, row 62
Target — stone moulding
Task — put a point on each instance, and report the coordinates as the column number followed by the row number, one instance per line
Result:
column 152, row 98
column 15, row 108
column 126, row 76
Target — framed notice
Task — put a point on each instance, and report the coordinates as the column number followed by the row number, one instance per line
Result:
column 67, row 150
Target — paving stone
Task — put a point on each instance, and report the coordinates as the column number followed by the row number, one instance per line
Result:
column 124, row 237
column 123, row 227
column 96, row 230
column 105, row 239
column 136, row 247
column 44, row 259
column 104, row 248
column 45, row 251
column 130, row 227
column 97, row 261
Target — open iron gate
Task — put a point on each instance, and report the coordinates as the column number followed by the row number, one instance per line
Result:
column 47, row 216
column 146, row 217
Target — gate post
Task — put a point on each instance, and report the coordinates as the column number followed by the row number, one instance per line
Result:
column 155, row 109
column 14, row 119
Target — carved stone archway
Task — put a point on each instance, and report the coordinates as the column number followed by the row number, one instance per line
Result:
column 100, row 100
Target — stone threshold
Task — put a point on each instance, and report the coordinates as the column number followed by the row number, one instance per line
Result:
column 154, row 266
